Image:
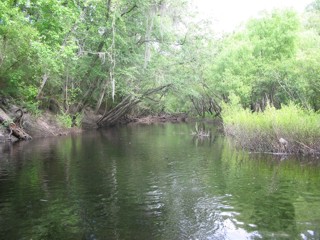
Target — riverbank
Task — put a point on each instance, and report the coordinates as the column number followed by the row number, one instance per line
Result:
column 50, row 124
column 289, row 130
column 161, row 118
column 42, row 125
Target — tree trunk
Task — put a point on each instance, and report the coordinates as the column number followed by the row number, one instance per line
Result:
column 147, row 53
column 102, row 94
column 119, row 111
column 195, row 105
column 115, row 114
column 86, row 97
column 215, row 106
column 44, row 80
column 65, row 94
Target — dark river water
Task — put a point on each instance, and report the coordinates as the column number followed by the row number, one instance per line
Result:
column 153, row 182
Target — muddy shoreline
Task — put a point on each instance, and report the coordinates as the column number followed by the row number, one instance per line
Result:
column 46, row 123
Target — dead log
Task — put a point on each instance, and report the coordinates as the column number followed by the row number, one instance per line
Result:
column 18, row 132
column 14, row 130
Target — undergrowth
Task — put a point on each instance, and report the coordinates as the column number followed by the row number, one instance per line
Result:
column 262, row 131
column 66, row 120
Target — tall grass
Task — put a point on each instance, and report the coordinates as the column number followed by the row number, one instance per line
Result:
column 262, row 131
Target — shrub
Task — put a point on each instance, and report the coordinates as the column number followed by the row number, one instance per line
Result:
column 66, row 120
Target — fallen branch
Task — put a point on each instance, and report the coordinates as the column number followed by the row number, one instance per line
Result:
column 304, row 145
column 273, row 153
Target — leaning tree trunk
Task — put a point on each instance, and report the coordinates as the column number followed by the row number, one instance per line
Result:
column 113, row 116
column 102, row 94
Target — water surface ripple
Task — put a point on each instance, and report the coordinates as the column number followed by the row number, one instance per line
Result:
column 153, row 182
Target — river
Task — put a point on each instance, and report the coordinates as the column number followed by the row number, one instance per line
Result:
column 153, row 182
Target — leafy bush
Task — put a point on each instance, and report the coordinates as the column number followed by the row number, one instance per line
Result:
column 66, row 121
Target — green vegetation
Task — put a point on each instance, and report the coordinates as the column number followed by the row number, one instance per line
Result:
column 149, row 57
column 262, row 131
column 66, row 120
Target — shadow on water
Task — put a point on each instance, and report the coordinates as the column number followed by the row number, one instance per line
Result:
column 153, row 182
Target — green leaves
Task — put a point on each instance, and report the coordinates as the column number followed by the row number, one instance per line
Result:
column 274, row 36
column 253, row 63
column 90, row 50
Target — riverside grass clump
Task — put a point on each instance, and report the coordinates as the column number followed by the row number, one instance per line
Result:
column 290, row 129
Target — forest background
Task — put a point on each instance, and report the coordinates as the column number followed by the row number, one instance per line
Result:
column 146, row 57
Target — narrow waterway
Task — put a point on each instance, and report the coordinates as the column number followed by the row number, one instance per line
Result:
column 153, row 182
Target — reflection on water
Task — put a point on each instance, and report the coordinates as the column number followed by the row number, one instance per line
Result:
column 153, row 182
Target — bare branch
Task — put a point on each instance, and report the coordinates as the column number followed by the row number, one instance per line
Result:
column 129, row 10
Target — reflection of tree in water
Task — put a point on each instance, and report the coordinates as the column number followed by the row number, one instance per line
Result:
column 274, row 212
column 203, row 135
column 266, row 190
column 39, row 203
column 150, row 183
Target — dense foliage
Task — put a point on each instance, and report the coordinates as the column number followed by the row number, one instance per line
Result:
column 86, row 52
column 73, row 54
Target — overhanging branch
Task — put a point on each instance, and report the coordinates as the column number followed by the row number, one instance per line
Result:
column 129, row 10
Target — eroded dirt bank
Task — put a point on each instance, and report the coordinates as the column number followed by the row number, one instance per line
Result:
column 44, row 125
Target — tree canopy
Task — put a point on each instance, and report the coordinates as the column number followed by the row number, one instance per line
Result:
column 102, row 53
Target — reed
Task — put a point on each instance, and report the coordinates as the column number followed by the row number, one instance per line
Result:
column 290, row 129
